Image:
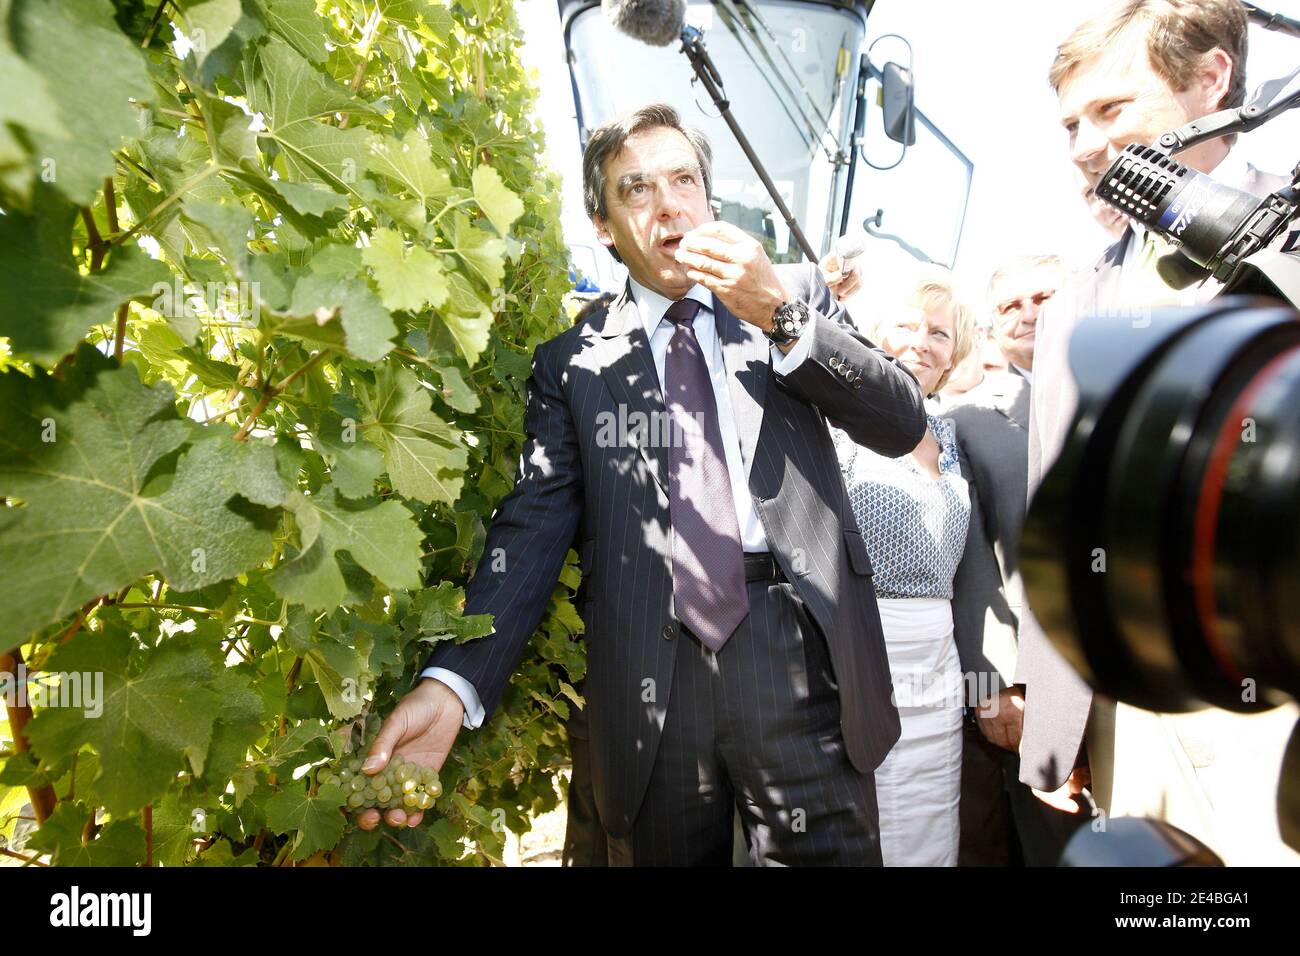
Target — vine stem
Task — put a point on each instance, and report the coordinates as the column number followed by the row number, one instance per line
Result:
column 146, row 817
column 283, row 854
column 27, row 860
column 153, row 25
column 97, row 259
column 270, row 392
column 181, row 190
column 368, row 34
column 43, row 798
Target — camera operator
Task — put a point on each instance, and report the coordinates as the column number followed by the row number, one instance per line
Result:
column 1138, row 69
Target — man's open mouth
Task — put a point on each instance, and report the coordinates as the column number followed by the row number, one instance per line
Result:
column 670, row 244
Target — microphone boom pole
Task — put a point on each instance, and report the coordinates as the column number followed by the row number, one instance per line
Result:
column 693, row 47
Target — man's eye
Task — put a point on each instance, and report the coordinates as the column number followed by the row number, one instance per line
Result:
column 635, row 187
column 1111, row 106
column 686, row 178
column 939, row 332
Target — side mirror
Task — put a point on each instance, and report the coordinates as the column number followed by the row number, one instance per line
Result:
column 896, row 100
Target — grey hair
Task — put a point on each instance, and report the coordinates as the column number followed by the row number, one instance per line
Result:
column 1024, row 264
column 607, row 140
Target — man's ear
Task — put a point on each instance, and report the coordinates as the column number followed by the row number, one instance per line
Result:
column 602, row 230
column 1215, row 77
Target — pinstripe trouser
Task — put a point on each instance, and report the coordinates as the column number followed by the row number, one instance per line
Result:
column 755, row 729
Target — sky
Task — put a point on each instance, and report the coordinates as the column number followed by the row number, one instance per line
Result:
column 980, row 74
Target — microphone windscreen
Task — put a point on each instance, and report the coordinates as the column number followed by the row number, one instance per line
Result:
column 850, row 246
column 1178, row 271
column 656, row 22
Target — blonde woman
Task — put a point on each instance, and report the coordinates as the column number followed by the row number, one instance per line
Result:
column 913, row 512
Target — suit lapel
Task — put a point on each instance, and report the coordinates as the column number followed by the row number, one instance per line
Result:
column 628, row 368
column 747, row 359
column 1013, row 402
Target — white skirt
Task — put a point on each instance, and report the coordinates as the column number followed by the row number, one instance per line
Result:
column 918, row 785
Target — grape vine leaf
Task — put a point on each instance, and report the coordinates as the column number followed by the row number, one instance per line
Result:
column 292, row 95
column 363, row 325
column 383, row 539
column 237, row 727
column 456, row 391
column 119, row 843
column 35, row 110
column 300, row 25
column 354, row 464
column 485, row 253
column 337, row 671
column 93, row 519
column 174, row 830
column 408, row 161
column 310, row 199
column 208, row 24
column 319, row 818
column 441, row 616
column 78, row 48
column 423, row 454
column 151, row 715
column 498, row 202
column 408, row 279
column 46, row 303
column 467, row 317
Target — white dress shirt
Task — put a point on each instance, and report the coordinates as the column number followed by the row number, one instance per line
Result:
column 652, row 306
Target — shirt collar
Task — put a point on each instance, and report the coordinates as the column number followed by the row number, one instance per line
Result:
column 652, row 305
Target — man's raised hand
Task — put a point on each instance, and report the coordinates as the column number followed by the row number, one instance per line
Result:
column 422, row 728
column 733, row 265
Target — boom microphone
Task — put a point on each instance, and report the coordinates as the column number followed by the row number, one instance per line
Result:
column 656, row 22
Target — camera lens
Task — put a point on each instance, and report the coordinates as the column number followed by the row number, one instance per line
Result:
column 1162, row 552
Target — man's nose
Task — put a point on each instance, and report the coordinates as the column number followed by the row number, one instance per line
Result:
column 1089, row 150
column 667, row 203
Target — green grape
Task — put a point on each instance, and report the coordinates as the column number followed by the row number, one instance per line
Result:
column 424, row 801
column 345, row 775
column 355, row 764
column 355, row 800
column 434, row 789
column 357, row 784
column 410, row 800
column 409, row 785
column 369, row 794
column 404, row 773
column 386, row 794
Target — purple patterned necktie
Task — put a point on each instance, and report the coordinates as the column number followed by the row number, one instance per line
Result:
column 708, row 564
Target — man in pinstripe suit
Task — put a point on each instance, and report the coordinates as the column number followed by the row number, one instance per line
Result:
column 735, row 658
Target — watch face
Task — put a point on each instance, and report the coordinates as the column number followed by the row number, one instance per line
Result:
column 793, row 317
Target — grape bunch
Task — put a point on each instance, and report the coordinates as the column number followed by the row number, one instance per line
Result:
column 401, row 784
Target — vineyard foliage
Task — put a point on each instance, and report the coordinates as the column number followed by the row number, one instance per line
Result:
column 271, row 275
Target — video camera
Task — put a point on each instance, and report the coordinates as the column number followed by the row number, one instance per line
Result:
column 1183, row 464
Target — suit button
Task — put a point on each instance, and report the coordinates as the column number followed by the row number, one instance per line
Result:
column 834, row 362
column 669, row 632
